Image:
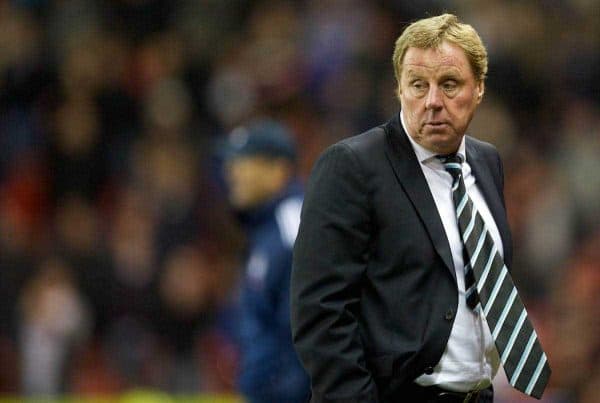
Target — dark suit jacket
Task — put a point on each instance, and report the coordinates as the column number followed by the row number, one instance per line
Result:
column 374, row 292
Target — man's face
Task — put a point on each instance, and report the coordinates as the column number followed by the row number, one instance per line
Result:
column 253, row 180
column 439, row 94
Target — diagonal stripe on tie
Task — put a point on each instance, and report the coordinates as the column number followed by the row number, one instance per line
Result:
column 471, row 295
column 487, row 277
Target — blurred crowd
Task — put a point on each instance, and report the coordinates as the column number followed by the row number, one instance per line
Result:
column 119, row 256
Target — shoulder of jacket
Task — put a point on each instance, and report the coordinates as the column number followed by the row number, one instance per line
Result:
column 359, row 147
column 482, row 146
column 371, row 138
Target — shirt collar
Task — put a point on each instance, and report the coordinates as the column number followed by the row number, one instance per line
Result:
column 424, row 155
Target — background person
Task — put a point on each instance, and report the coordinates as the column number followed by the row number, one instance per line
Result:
column 260, row 173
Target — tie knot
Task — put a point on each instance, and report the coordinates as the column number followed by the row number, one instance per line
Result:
column 452, row 163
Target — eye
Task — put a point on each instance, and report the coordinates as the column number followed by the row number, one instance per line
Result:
column 449, row 85
column 418, row 86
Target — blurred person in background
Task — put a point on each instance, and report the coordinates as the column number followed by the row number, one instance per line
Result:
column 263, row 189
column 131, row 339
column 55, row 320
column 186, row 288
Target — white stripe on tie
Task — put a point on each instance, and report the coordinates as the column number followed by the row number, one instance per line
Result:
column 470, row 291
column 536, row 374
column 495, row 291
column 513, row 337
column 478, row 249
column 509, row 303
column 470, row 227
column 462, row 205
column 486, row 270
column 524, row 358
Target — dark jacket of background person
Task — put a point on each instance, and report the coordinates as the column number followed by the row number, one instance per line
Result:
column 270, row 370
column 374, row 295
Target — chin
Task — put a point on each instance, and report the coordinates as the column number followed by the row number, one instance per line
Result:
column 444, row 139
column 244, row 203
column 445, row 147
column 236, row 202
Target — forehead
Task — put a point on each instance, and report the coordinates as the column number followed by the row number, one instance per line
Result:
column 249, row 161
column 448, row 57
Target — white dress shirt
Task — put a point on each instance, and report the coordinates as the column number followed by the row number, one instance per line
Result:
column 470, row 360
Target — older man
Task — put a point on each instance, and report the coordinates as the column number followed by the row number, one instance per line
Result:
column 400, row 286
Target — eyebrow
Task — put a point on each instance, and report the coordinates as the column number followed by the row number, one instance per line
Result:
column 452, row 74
column 410, row 72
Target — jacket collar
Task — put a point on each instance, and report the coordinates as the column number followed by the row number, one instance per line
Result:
column 405, row 164
column 406, row 167
column 485, row 183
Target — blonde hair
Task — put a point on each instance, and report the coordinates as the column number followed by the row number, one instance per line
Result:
column 431, row 32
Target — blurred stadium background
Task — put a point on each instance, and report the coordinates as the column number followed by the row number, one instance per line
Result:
column 118, row 255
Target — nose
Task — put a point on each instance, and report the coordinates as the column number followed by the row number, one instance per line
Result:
column 434, row 98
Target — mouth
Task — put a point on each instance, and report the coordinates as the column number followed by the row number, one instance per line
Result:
column 435, row 123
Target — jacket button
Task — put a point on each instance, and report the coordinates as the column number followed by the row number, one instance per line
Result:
column 449, row 314
column 429, row 370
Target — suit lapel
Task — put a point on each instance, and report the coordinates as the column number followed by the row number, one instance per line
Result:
column 408, row 171
column 485, row 183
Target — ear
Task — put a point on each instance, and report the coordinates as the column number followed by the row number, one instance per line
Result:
column 480, row 90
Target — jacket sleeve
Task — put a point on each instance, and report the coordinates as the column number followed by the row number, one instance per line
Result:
column 329, row 262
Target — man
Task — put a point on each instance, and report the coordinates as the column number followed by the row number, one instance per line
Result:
column 260, row 173
column 400, row 263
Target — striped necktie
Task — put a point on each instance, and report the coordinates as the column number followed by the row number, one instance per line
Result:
column 488, row 282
